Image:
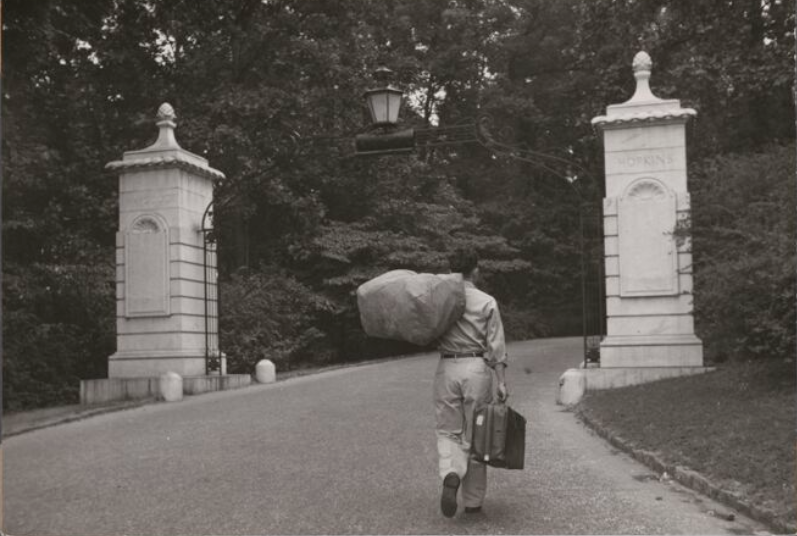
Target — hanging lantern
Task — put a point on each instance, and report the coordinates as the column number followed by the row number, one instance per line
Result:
column 383, row 103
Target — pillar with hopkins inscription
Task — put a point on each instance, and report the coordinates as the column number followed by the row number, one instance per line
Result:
column 164, row 191
column 648, row 270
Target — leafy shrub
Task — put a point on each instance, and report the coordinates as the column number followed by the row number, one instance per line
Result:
column 521, row 324
column 743, row 228
column 270, row 315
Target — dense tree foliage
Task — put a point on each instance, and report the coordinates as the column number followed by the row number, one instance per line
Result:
column 268, row 91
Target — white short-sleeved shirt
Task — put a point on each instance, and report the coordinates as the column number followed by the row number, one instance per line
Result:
column 478, row 330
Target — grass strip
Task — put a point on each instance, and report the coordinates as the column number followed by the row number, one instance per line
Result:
column 735, row 426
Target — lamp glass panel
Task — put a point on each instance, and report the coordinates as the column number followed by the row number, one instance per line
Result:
column 378, row 103
column 384, row 105
column 393, row 105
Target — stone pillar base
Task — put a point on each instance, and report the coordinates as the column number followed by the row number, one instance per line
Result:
column 105, row 390
column 141, row 364
column 611, row 378
column 651, row 351
column 575, row 383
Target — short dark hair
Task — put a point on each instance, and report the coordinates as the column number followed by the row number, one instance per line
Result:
column 463, row 261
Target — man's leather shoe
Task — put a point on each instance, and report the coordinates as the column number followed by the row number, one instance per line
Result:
column 448, row 500
column 473, row 509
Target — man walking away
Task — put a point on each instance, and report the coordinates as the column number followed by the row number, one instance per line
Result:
column 469, row 352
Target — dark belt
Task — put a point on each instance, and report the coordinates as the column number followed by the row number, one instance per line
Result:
column 465, row 354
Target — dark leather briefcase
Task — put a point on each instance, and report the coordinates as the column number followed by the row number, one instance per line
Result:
column 499, row 436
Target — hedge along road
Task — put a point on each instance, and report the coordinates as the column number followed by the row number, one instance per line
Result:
column 346, row 451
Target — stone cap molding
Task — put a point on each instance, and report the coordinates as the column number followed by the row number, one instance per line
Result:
column 165, row 162
column 165, row 153
column 680, row 116
column 643, row 106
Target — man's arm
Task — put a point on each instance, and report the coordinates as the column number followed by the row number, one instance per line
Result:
column 503, row 391
column 496, row 345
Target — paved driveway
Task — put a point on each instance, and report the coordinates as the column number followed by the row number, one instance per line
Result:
column 350, row 451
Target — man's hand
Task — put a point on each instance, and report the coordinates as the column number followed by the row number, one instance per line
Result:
column 503, row 392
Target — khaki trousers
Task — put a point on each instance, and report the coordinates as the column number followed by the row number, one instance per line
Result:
column 461, row 385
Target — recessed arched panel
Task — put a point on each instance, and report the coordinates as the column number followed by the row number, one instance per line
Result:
column 648, row 257
column 147, row 267
column 146, row 224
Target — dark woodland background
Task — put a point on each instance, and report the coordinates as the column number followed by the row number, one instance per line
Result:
column 270, row 92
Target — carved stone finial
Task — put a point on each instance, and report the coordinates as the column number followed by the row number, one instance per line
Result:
column 643, row 106
column 642, row 65
column 166, row 124
column 166, row 112
column 642, row 62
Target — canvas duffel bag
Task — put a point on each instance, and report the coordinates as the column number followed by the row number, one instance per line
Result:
column 407, row 306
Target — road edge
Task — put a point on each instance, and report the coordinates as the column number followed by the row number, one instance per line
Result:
column 77, row 415
column 87, row 412
column 687, row 477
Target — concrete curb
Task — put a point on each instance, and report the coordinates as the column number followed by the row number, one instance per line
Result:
column 689, row 478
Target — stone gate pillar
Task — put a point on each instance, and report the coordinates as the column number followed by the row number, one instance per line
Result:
column 160, row 266
column 648, row 271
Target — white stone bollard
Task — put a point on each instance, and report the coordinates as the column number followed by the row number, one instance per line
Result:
column 171, row 387
column 265, row 372
column 572, row 385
